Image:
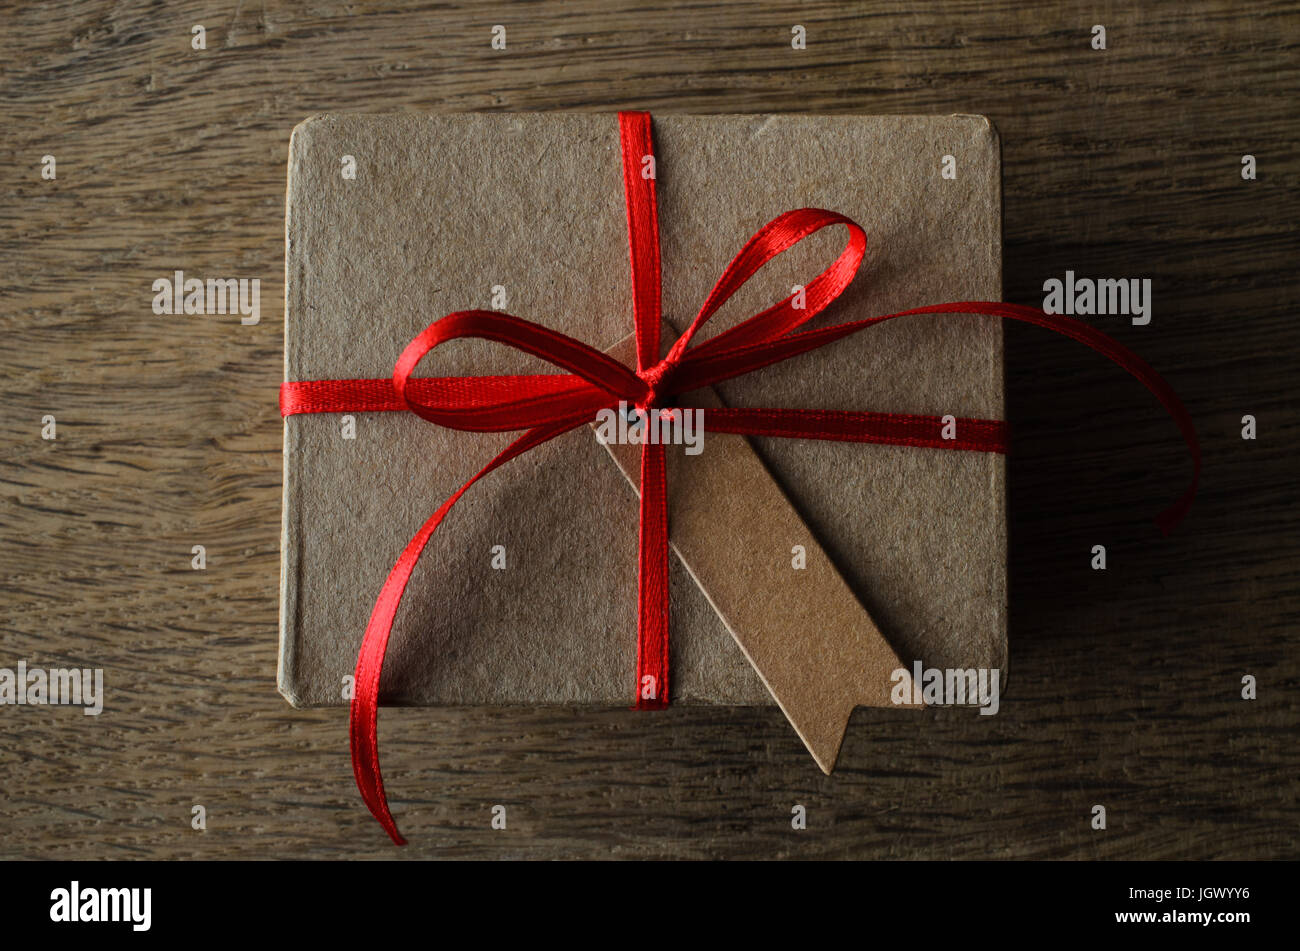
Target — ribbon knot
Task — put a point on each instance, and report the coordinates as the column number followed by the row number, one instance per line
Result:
column 655, row 380
column 549, row 405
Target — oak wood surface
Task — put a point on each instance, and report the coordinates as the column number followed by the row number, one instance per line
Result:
column 1124, row 684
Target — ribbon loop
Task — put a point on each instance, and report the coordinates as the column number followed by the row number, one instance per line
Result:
column 774, row 238
column 596, row 379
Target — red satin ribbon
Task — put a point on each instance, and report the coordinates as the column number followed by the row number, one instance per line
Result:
column 551, row 404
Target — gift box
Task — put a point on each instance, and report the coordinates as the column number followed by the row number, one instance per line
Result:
column 528, row 593
column 846, row 559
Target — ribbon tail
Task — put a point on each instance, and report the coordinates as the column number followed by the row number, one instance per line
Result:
column 363, row 726
column 715, row 366
column 652, row 582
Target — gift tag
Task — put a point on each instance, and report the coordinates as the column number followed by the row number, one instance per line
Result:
column 802, row 628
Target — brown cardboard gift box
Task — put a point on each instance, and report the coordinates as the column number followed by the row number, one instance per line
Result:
column 449, row 212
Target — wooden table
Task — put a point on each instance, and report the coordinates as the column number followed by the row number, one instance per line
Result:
column 1125, row 684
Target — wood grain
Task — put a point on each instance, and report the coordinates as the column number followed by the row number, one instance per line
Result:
column 1124, row 684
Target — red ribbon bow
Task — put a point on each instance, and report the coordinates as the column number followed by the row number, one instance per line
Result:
column 551, row 404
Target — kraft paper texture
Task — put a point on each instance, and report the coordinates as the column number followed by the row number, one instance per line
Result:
column 443, row 210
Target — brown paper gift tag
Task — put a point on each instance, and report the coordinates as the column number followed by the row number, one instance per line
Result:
column 802, row 629
column 444, row 212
